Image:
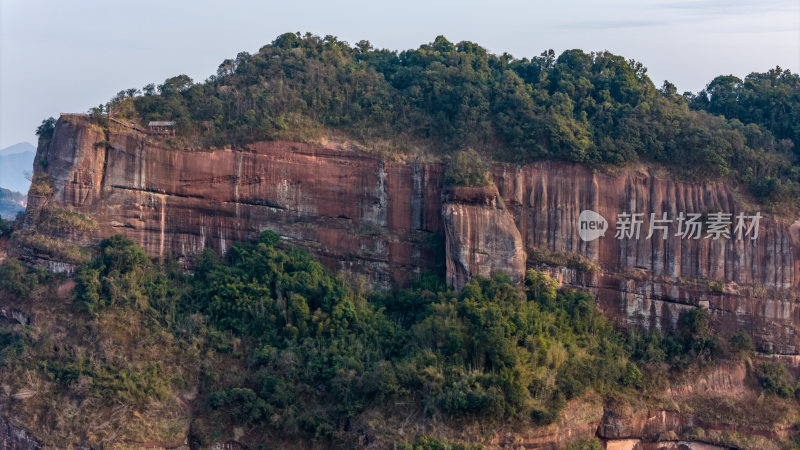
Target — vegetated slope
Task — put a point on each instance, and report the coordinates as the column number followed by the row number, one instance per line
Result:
column 594, row 108
column 265, row 346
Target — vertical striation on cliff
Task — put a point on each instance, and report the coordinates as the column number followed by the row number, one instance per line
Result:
column 747, row 284
column 481, row 237
column 354, row 211
column 379, row 219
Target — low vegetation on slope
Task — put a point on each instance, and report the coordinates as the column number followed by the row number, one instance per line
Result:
column 593, row 108
column 267, row 342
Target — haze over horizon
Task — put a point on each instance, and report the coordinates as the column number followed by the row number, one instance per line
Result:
column 63, row 57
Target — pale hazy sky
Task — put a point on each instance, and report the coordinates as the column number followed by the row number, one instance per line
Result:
column 66, row 56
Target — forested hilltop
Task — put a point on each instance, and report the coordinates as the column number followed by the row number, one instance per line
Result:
column 442, row 98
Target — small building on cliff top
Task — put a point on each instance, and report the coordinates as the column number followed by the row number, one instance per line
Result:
column 161, row 127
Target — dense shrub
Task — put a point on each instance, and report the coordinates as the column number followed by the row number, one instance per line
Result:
column 6, row 226
column 742, row 343
column 774, row 378
column 19, row 278
column 120, row 276
column 467, row 168
column 313, row 351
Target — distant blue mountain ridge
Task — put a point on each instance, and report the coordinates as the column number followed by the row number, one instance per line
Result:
column 15, row 162
column 11, row 204
column 22, row 147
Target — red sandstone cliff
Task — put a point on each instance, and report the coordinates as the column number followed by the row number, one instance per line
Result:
column 481, row 236
column 649, row 281
column 364, row 215
column 355, row 212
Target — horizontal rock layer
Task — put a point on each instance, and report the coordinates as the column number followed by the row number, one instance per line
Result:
column 388, row 221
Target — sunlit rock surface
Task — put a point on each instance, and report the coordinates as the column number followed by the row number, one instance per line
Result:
column 389, row 221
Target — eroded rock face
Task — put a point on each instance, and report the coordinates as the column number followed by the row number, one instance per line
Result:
column 355, row 212
column 649, row 282
column 548, row 197
column 481, row 236
column 654, row 424
column 380, row 219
